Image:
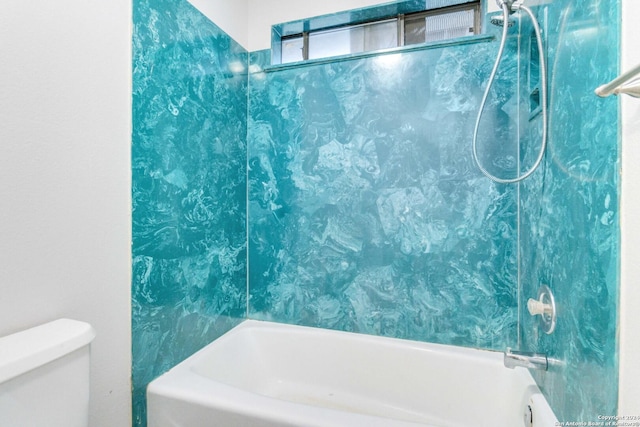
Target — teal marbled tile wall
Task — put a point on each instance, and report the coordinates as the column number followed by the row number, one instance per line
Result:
column 189, row 187
column 366, row 211
column 569, row 212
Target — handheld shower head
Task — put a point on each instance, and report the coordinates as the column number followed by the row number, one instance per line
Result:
column 515, row 6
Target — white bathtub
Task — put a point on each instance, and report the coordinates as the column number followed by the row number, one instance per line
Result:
column 267, row 374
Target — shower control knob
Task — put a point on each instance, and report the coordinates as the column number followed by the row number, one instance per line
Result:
column 545, row 307
column 536, row 307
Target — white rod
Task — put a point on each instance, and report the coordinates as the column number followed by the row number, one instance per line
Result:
column 609, row 88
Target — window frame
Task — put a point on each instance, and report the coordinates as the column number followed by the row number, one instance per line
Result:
column 400, row 18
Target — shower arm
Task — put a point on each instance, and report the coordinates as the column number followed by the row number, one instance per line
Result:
column 628, row 83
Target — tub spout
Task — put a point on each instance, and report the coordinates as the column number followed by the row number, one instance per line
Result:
column 513, row 359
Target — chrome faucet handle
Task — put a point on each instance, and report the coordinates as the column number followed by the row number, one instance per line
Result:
column 536, row 307
column 545, row 306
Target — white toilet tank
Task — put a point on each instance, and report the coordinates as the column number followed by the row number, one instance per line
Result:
column 44, row 375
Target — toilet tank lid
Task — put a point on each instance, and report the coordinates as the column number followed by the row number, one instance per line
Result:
column 31, row 348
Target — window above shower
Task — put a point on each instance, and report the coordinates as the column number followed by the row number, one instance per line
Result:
column 391, row 25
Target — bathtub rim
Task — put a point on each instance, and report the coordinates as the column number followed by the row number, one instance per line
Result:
column 184, row 383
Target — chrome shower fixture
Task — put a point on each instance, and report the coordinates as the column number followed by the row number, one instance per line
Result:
column 512, row 5
column 509, row 7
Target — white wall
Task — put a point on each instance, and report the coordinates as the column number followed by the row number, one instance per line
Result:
column 230, row 16
column 629, row 399
column 65, row 220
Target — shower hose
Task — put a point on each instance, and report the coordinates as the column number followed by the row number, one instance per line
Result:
column 543, row 94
